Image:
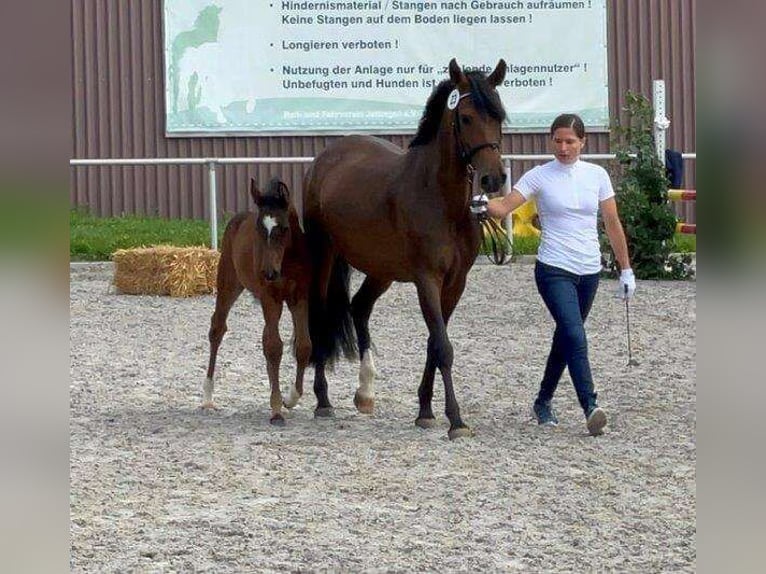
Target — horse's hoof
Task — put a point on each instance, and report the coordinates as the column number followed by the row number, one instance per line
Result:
column 277, row 420
column 425, row 423
column 292, row 400
column 324, row 412
column 364, row 405
column 208, row 406
column 460, row 432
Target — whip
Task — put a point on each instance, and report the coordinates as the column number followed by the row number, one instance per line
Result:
column 631, row 360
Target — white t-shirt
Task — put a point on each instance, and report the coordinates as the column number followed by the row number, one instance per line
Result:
column 567, row 197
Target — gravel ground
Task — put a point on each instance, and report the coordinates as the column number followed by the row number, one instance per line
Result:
column 160, row 486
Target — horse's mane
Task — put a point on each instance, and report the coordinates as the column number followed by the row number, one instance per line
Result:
column 485, row 98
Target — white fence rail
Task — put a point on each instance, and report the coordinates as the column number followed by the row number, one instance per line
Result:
column 212, row 162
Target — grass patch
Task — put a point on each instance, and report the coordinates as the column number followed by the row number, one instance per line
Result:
column 96, row 238
column 685, row 243
column 525, row 245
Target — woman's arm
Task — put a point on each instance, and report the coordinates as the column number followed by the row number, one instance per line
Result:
column 500, row 207
column 614, row 232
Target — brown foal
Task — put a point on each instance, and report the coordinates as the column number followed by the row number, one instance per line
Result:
column 265, row 252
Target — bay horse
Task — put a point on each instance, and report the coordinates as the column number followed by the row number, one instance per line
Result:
column 399, row 215
column 265, row 252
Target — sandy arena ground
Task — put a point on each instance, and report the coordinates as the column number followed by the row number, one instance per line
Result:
column 159, row 486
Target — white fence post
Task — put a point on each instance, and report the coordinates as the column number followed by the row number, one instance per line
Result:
column 508, row 221
column 661, row 122
column 213, row 206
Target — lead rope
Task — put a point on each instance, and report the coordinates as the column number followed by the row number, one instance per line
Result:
column 496, row 244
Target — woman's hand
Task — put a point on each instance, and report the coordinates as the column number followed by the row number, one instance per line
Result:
column 478, row 206
column 627, row 284
column 500, row 207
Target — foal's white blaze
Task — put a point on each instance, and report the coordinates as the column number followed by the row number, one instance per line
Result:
column 207, row 392
column 269, row 223
column 366, row 376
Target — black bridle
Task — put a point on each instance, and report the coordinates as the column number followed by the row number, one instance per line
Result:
column 496, row 243
column 466, row 154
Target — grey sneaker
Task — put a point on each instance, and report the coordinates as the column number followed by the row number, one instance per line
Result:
column 544, row 414
column 596, row 421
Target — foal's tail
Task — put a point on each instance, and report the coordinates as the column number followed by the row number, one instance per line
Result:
column 330, row 323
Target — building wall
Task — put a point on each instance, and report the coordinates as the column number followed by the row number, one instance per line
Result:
column 119, row 98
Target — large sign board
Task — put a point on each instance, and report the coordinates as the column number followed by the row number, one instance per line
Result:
column 305, row 66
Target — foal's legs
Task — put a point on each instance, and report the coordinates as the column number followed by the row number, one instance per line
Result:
column 300, row 313
column 361, row 308
column 272, row 350
column 228, row 289
column 437, row 306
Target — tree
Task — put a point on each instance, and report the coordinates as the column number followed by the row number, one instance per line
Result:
column 642, row 198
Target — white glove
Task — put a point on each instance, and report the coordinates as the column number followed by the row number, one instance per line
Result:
column 627, row 284
column 478, row 205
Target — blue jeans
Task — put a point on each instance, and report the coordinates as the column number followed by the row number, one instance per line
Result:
column 569, row 298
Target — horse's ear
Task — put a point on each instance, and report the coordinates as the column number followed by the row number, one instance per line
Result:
column 456, row 73
column 255, row 193
column 498, row 75
column 284, row 191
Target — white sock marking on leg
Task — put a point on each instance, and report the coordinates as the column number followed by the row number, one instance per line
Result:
column 293, row 399
column 207, row 392
column 367, row 376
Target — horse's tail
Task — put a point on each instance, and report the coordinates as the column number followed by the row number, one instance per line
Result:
column 330, row 323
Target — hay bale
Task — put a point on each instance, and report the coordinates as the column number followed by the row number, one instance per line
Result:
column 165, row 270
column 140, row 271
column 192, row 271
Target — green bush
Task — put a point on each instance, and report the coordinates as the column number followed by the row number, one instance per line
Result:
column 642, row 198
